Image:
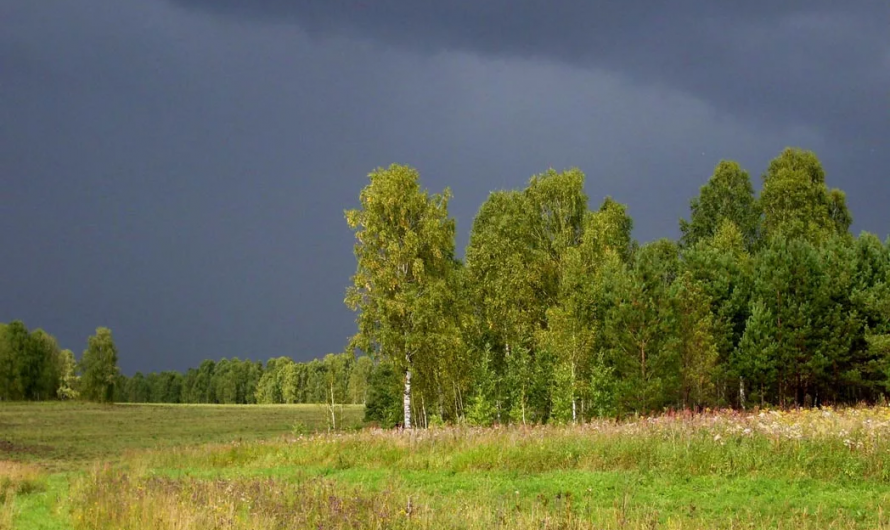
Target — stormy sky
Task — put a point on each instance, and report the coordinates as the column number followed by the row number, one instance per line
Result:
column 177, row 170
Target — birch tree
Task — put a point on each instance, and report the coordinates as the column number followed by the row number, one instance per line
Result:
column 727, row 196
column 405, row 253
column 796, row 202
column 99, row 365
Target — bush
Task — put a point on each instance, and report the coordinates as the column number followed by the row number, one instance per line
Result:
column 384, row 403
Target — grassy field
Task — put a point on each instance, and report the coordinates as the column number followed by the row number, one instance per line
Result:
column 46, row 446
column 800, row 469
column 66, row 435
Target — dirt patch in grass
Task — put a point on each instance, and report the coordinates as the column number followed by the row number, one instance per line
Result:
column 13, row 448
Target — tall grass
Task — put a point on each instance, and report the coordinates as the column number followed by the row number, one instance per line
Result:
column 16, row 479
column 819, row 468
column 115, row 501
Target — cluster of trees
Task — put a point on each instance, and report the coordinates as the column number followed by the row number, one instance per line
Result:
column 336, row 379
column 557, row 315
column 33, row 367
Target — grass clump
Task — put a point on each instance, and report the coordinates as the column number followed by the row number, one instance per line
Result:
column 17, row 479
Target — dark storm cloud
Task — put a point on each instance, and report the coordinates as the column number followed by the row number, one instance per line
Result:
column 820, row 65
column 801, row 61
column 178, row 171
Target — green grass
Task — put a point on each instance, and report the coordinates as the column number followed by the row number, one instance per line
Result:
column 63, row 440
column 70, row 435
column 806, row 469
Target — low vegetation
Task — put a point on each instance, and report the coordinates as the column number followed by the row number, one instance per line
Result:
column 808, row 468
column 44, row 446
column 68, row 435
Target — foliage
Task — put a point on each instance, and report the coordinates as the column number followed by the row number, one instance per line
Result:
column 99, row 367
column 68, row 380
column 384, row 403
column 29, row 363
column 405, row 255
column 557, row 315
column 728, row 196
column 796, row 202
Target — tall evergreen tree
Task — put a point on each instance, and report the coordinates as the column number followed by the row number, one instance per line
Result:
column 723, row 268
column 637, row 331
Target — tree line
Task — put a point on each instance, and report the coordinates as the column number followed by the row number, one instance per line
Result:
column 336, row 379
column 556, row 314
column 33, row 367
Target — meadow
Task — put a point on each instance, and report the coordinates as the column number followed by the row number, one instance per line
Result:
column 45, row 446
column 818, row 468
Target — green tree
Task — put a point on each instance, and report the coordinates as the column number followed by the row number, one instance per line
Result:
column 253, row 373
column 69, row 382
column 728, row 196
column 482, row 409
column 405, row 253
column 294, row 383
column 692, row 341
column 503, row 284
column 574, row 322
column 358, row 379
column 870, row 298
column 14, row 356
column 812, row 329
column 514, row 269
column 28, row 363
column 637, row 331
column 43, row 366
column 198, row 386
column 7, row 372
column 384, row 404
column 337, row 368
column 755, row 359
column 270, row 388
column 797, row 203
column 724, row 270
column 99, row 367
column 138, row 389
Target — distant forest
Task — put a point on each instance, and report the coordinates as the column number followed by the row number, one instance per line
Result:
column 557, row 314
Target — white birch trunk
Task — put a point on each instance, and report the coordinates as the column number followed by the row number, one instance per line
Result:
column 574, row 408
column 407, row 399
column 742, row 392
column 333, row 417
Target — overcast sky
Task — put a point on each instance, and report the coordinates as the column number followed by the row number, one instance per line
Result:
column 177, row 170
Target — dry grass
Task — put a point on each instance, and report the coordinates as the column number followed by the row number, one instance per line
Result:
column 17, row 479
column 806, row 469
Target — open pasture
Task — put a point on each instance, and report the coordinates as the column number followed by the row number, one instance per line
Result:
column 45, row 446
column 819, row 468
